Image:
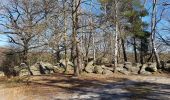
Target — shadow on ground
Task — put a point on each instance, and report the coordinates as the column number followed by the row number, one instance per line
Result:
column 93, row 89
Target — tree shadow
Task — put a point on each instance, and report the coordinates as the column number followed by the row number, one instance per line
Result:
column 122, row 89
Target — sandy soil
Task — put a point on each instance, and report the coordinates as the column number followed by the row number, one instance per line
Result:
column 88, row 87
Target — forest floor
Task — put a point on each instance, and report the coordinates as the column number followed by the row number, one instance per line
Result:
column 88, row 87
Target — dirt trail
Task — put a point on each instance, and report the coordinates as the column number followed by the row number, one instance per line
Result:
column 96, row 87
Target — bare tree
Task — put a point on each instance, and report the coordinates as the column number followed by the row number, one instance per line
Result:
column 24, row 24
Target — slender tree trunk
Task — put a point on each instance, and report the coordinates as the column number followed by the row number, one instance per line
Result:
column 75, row 45
column 141, row 53
column 91, row 31
column 135, row 50
column 58, row 54
column 153, row 32
column 25, row 57
column 65, row 37
column 116, row 35
column 124, row 50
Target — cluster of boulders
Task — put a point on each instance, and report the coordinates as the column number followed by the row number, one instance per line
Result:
column 40, row 68
column 137, row 68
column 98, row 69
column 36, row 69
column 127, row 68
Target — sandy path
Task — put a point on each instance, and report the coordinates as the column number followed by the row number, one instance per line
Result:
column 64, row 88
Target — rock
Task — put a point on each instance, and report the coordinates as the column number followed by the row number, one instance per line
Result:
column 143, row 71
column 23, row 65
column 102, row 61
column 135, row 68
column 128, row 65
column 143, row 68
column 138, row 65
column 16, row 69
column 167, row 67
column 42, row 68
column 24, row 72
column 35, row 69
column 119, row 67
column 90, row 67
column 2, row 74
column 46, row 64
column 148, row 68
column 107, row 72
column 124, row 72
column 46, row 68
column 98, row 69
column 21, row 70
column 107, row 68
column 59, row 69
column 131, row 68
column 62, row 61
column 152, row 67
column 70, row 65
column 168, row 61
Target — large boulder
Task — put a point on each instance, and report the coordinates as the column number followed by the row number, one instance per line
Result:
column 135, row 68
column 70, row 65
column 131, row 68
column 98, row 69
column 124, row 72
column 143, row 70
column 42, row 68
column 16, row 69
column 120, row 67
column 20, row 70
column 167, row 66
column 46, row 68
column 102, row 60
column 127, row 65
column 107, row 72
column 90, row 67
column 145, row 73
column 107, row 68
column 152, row 67
column 2, row 73
column 23, row 70
column 35, row 69
column 58, row 68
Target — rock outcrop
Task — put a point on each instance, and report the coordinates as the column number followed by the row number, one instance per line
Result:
column 136, row 68
column 90, row 67
column 98, row 69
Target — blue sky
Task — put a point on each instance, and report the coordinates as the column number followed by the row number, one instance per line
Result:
column 3, row 40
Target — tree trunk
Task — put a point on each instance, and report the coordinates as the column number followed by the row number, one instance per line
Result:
column 116, row 36
column 58, row 54
column 124, row 50
column 135, row 50
column 25, row 57
column 153, row 32
column 141, row 53
column 65, row 38
column 75, row 45
column 91, row 31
